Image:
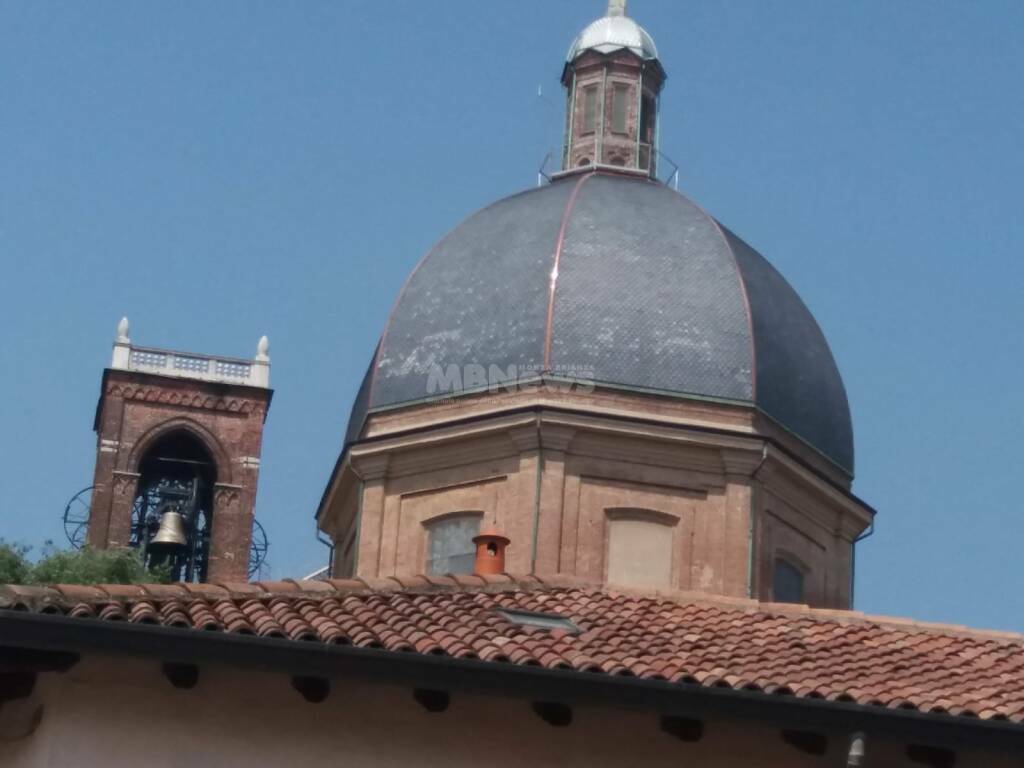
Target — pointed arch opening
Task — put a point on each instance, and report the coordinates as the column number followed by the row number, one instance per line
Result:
column 173, row 508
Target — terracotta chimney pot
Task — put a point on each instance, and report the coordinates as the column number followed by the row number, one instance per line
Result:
column 490, row 551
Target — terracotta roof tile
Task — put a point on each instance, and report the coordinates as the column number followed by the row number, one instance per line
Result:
column 684, row 638
column 143, row 612
column 274, row 587
column 123, row 591
column 239, row 588
column 205, row 591
column 79, row 592
column 81, row 611
column 165, row 591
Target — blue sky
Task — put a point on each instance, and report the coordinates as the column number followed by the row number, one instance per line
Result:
column 217, row 171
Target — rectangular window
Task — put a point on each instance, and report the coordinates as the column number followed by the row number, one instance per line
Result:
column 620, row 107
column 639, row 550
column 787, row 583
column 450, row 547
column 589, row 109
column 648, row 109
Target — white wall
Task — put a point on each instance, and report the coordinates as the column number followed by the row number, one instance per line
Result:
column 127, row 714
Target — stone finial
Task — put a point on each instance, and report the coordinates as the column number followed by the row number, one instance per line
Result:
column 262, row 348
column 616, row 8
column 122, row 347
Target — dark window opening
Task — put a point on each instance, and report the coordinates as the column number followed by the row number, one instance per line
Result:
column 788, row 583
column 648, row 111
column 171, row 517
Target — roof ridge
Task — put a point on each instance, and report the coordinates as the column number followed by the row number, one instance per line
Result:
column 37, row 598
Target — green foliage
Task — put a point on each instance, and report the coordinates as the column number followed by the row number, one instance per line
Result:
column 83, row 566
column 14, row 564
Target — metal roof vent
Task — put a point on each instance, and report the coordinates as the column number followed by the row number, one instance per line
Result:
column 540, row 620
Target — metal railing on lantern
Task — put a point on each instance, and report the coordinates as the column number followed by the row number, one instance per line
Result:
column 636, row 157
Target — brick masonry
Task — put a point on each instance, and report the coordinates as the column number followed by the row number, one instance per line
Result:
column 725, row 505
column 604, row 145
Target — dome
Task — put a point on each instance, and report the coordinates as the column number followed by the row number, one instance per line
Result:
column 651, row 294
column 612, row 33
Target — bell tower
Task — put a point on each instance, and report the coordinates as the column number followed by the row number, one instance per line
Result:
column 178, row 456
column 613, row 78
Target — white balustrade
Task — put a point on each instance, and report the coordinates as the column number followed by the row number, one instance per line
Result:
column 188, row 365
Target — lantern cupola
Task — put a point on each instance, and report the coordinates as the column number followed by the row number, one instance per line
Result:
column 613, row 80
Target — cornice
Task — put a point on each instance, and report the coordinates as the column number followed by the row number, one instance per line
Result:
column 161, row 395
column 556, row 437
column 371, row 466
column 796, row 486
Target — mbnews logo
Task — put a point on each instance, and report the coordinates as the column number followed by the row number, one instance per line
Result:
column 475, row 377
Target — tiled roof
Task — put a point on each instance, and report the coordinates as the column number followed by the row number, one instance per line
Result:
column 681, row 638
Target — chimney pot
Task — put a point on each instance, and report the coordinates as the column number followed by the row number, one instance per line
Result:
column 490, row 551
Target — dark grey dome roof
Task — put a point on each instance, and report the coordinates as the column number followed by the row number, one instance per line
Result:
column 651, row 294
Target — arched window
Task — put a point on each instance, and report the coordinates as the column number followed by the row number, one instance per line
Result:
column 787, row 582
column 640, row 548
column 450, row 547
column 172, row 513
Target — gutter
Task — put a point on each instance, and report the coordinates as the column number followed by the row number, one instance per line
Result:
column 38, row 632
column 853, row 559
column 538, row 480
column 751, row 550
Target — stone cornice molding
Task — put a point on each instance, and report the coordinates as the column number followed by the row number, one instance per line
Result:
column 743, row 463
column 526, row 438
column 369, row 467
column 484, row 448
column 601, row 402
column 796, row 485
column 678, row 434
column 556, row 437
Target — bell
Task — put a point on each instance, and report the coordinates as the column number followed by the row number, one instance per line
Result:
column 171, row 533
